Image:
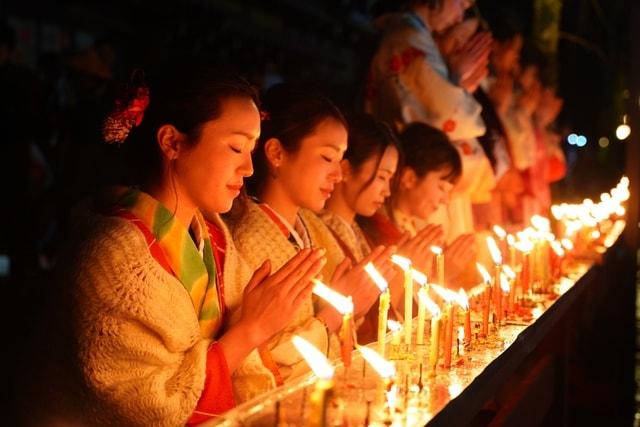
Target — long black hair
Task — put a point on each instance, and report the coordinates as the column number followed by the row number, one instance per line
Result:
column 289, row 114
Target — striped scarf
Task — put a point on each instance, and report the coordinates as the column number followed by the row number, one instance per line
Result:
column 194, row 266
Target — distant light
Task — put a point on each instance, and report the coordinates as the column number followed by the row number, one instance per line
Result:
column 572, row 139
column 603, row 142
column 581, row 141
column 623, row 131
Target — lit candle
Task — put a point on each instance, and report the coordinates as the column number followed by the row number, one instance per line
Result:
column 557, row 259
column 323, row 389
column 501, row 234
column 486, row 301
column 439, row 264
column 525, row 246
column 344, row 305
column 511, row 241
column 422, row 281
column 511, row 275
column 434, row 343
column 396, row 335
column 385, row 369
column 460, row 341
column 464, row 303
column 383, row 306
column 449, row 320
column 497, row 292
column 405, row 265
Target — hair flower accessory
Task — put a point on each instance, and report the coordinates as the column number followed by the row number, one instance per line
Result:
column 128, row 112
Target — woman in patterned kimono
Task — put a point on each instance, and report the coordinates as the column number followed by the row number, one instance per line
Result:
column 137, row 330
column 297, row 161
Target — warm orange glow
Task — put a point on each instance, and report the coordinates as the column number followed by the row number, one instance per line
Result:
column 540, row 223
column 429, row 304
column 504, row 283
column 377, row 278
column 486, row 277
column 567, row 244
column 463, row 299
column 394, row 326
column 402, row 262
column 499, row 231
column 477, row 290
column 444, row 293
column 343, row 304
column 383, row 367
column 494, row 250
column 419, row 277
column 557, row 248
column 317, row 361
column 436, row 250
column 509, row 272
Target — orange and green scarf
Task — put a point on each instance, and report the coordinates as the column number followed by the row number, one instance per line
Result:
column 194, row 266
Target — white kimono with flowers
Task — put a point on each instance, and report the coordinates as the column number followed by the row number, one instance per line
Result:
column 409, row 81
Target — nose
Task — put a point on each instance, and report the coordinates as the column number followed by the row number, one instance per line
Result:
column 386, row 190
column 336, row 174
column 246, row 167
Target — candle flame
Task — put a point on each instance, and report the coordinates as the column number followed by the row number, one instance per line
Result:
column 494, row 250
column 486, row 277
column 463, row 299
column 509, row 272
column 383, row 367
column 394, row 326
column 343, row 304
column 377, row 278
column 557, row 248
column 504, row 282
column 511, row 240
column 540, row 223
column 419, row 277
column 429, row 304
column 595, row 234
column 556, row 211
column 402, row 262
column 567, row 244
column 477, row 290
column 436, row 250
column 536, row 312
column 524, row 246
column 317, row 361
column 500, row 232
column 444, row 293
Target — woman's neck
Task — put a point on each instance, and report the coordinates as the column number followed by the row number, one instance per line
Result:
column 169, row 196
column 279, row 201
column 338, row 205
column 399, row 204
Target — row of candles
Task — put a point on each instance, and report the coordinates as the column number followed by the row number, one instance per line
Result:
column 535, row 259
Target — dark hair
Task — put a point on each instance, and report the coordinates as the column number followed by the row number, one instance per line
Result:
column 427, row 149
column 368, row 137
column 186, row 97
column 290, row 114
column 388, row 6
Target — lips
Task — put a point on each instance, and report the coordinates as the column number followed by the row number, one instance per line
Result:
column 326, row 192
column 234, row 187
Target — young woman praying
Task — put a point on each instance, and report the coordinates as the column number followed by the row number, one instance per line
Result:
column 297, row 166
column 430, row 169
column 137, row 330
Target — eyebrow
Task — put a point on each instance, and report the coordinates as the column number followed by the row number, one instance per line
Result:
column 386, row 170
column 335, row 147
column 245, row 134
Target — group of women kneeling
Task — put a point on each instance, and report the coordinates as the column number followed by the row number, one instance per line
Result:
column 182, row 287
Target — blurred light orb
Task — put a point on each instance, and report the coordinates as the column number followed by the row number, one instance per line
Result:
column 623, row 131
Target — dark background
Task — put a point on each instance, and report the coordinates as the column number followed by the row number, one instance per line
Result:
column 321, row 43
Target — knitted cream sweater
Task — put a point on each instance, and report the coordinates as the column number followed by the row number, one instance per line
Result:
column 350, row 234
column 125, row 345
column 257, row 238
